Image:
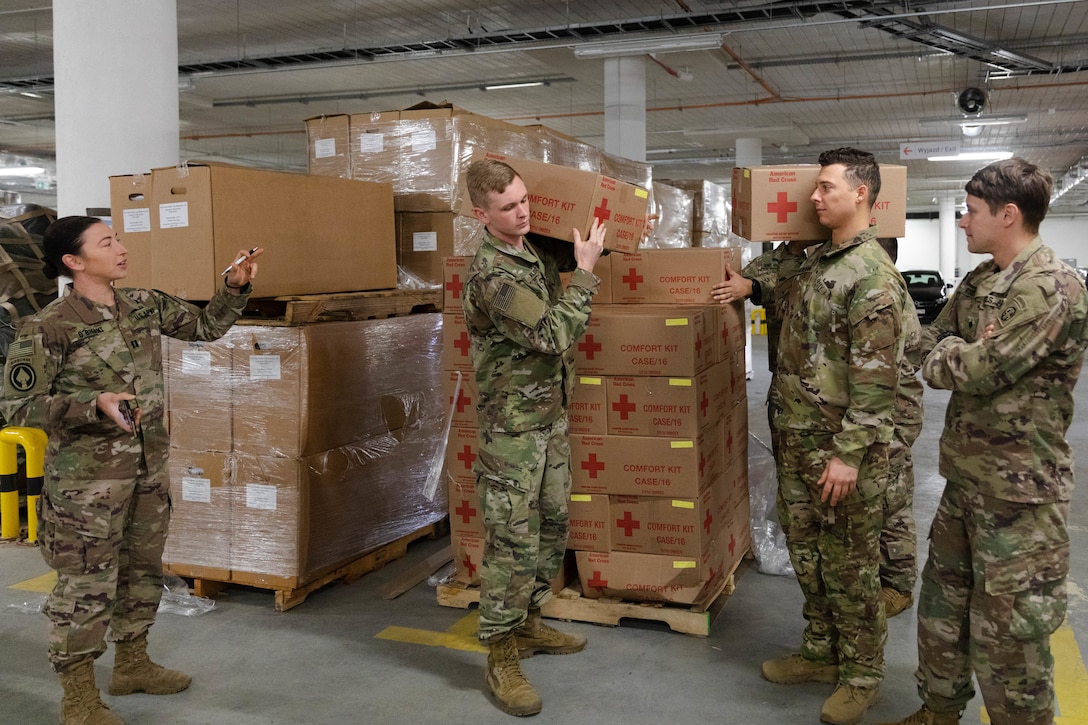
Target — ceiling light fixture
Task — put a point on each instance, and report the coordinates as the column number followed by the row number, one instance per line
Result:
column 21, row 171
column 992, row 120
column 526, row 84
column 975, row 156
column 653, row 44
column 30, row 94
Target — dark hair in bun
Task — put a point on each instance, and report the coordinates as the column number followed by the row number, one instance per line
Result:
column 64, row 236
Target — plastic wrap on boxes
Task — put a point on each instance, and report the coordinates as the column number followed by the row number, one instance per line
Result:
column 768, row 539
column 331, row 429
column 710, row 219
column 553, row 147
column 329, row 146
column 670, row 212
column 638, row 173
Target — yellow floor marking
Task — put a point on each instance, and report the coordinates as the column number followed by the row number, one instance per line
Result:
column 461, row 636
column 1070, row 680
column 43, row 583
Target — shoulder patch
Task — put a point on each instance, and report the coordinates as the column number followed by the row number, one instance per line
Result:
column 518, row 304
column 1008, row 313
column 25, row 359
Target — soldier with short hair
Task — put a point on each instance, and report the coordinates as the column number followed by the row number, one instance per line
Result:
column 523, row 326
column 1010, row 346
column 838, row 367
column 87, row 370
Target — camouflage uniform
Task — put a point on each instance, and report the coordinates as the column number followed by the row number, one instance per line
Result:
column 837, row 382
column 993, row 588
column 104, row 509
column 523, row 327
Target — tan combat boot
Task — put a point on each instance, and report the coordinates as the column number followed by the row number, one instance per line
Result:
column 513, row 693
column 794, row 669
column 81, row 704
column 895, row 601
column 534, row 636
column 925, row 716
column 133, row 671
column 847, row 704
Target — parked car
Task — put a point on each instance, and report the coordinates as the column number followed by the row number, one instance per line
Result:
column 928, row 290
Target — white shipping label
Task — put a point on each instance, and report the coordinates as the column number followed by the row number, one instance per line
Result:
column 260, row 496
column 324, row 148
column 195, row 489
column 424, row 141
column 196, row 362
column 425, row 242
column 371, row 143
column 137, row 220
column 264, row 367
column 174, row 215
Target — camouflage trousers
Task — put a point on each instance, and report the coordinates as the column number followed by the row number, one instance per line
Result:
column 524, row 484
column 993, row 590
column 899, row 537
column 836, row 554
column 105, row 540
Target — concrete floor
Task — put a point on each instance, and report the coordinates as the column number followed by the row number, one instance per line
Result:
column 322, row 662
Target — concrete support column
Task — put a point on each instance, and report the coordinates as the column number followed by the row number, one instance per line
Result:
column 750, row 153
column 948, row 237
column 625, row 107
column 116, row 82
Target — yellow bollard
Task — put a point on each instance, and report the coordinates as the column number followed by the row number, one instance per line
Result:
column 34, row 443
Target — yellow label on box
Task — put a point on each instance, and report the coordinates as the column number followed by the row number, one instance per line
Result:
column 642, row 193
column 683, row 565
column 682, row 444
column 676, row 322
column 683, row 504
column 680, row 382
column 589, row 381
column 581, row 497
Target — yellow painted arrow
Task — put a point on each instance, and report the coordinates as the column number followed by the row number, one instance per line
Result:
column 461, row 636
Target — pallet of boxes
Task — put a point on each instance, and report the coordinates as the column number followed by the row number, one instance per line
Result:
column 659, row 506
column 299, row 452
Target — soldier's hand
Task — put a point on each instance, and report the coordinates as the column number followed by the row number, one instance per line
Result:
column 731, row 289
column 587, row 252
column 246, row 270
column 109, row 404
column 837, row 482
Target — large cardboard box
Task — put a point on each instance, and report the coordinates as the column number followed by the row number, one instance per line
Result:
column 587, row 412
column 603, row 270
column 588, row 515
column 426, row 239
column 134, row 217
column 462, row 447
column 667, row 526
column 674, row 407
column 466, row 516
column 464, row 407
column 650, row 577
column 456, row 345
column 328, row 141
column 661, row 340
column 320, row 234
column 647, row 466
column 199, row 544
column 562, row 199
column 771, row 203
column 671, row 276
column 468, row 555
column 455, row 272
column 200, row 393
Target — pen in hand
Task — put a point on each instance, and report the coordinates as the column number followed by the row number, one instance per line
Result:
column 236, row 262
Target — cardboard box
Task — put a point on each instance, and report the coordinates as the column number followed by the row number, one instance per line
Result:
column 561, row 199
column 464, row 410
column 771, row 203
column 454, row 273
column 649, row 577
column 320, row 234
column 466, row 516
column 468, row 555
column 426, row 239
column 589, row 522
column 735, row 434
column 134, row 218
column 645, row 466
column 669, row 407
column 603, row 270
column 732, row 323
column 667, row 526
column 328, row 142
column 200, row 398
column 660, row 340
column 587, row 412
column 462, row 447
column 456, row 345
column 199, row 544
column 671, row 276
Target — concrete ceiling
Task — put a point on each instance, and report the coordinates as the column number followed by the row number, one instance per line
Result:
column 803, row 76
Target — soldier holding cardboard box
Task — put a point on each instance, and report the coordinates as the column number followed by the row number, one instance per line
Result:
column 523, row 326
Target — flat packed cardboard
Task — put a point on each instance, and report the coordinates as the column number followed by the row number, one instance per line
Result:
column 588, row 515
column 672, row 407
column 320, row 234
column 671, row 276
column 663, row 340
column 645, row 466
column 199, row 544
column 562, row 199
column 328, row 141
column 133, row 217
column 771, row 203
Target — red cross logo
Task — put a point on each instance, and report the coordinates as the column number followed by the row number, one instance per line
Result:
column 604, row 213
column 732, row 543
column 462, row 344
column 633, row 279
column 706, row 522
column 467, row 457
column 628, row 523
column 455, row 286
column 592, row 465
column 623, row 406
column 596, row 581
column 704, row 404
column 589, row 347
column 469, row 566
column 465, row 511
column 725, row 333
column 698, row 344
column 702, row 463
column 782, row 207
column 463, row 401
column 729, row 442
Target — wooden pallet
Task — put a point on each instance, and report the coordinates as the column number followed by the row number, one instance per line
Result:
column 302, row 309
column 570, row 605
column 290, row 597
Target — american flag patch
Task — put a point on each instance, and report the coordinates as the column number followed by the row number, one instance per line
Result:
column 21, row 348
column 504, row 296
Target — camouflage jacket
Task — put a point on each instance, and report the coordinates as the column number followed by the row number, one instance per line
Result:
column 1012, row 394
column 842, row 345
column 75, row 349
column 908, row 397
column 523, row 326
column 769, row 269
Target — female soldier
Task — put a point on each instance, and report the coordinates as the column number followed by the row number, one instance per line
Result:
column 87, row 369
